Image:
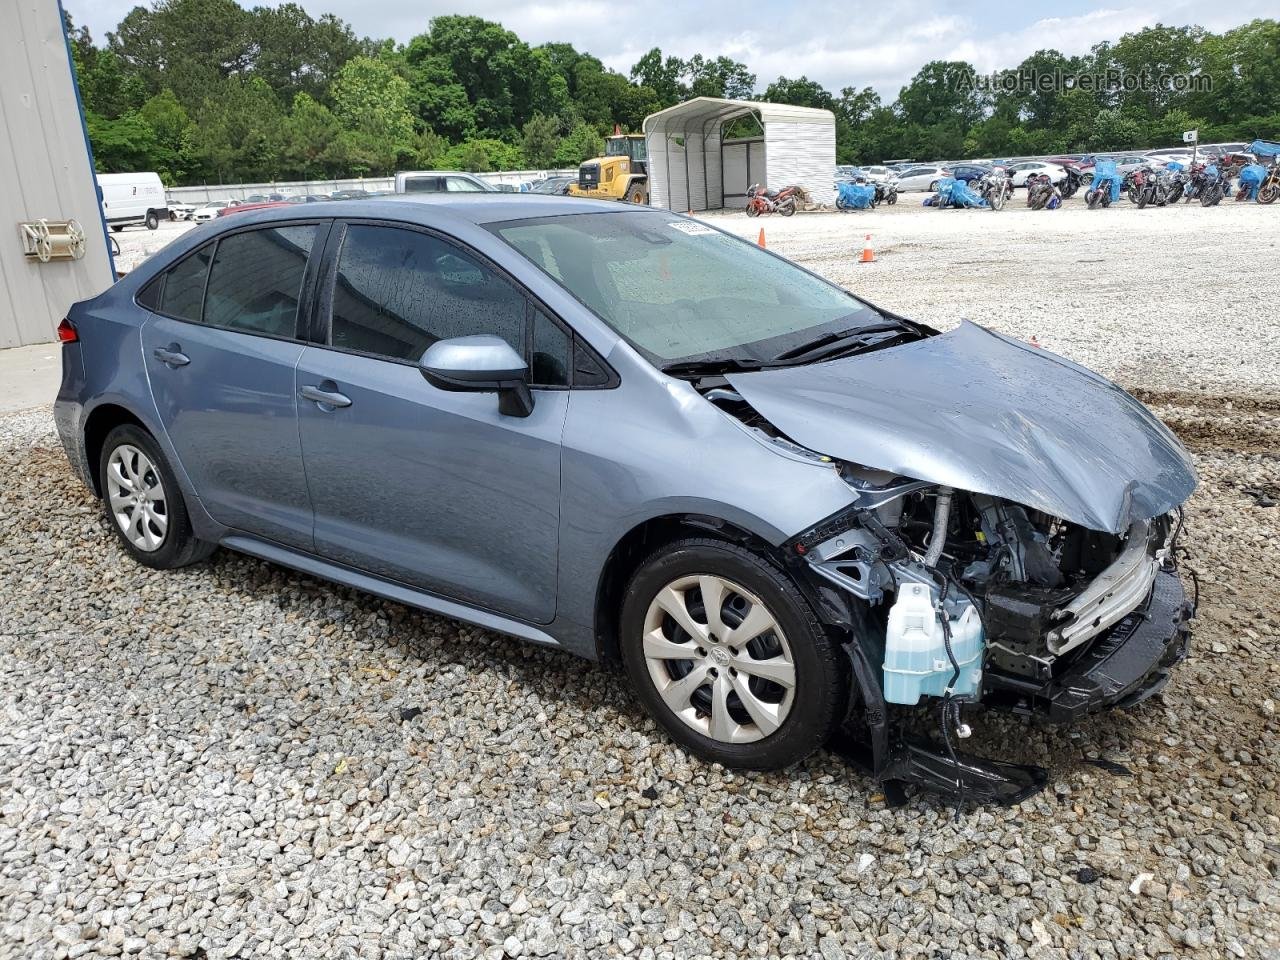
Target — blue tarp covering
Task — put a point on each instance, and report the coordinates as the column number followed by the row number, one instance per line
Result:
column 1104, row 172
column 956, row 193
column 855, row 196
column 1264, row 148
column 1251, row 178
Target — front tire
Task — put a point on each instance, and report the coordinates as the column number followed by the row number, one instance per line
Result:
column 143, row 502
column 726, row 654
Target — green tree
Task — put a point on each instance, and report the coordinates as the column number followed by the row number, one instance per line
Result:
column 173, row 152
column 372, row 103
column 120, row 145
column 539, row 141
column 662, row 76
column 295, row 53
column 189, row 46
column 581, row 143
column 718, row 77
column 239, row 132
column 314, row 145
column 800, row 93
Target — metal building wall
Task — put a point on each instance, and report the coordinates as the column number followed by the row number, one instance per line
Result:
column 45, row 172
column 806, row 151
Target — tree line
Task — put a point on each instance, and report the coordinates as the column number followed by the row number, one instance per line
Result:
column 207, row 91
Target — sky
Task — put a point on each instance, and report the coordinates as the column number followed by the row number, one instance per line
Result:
column 879, row 45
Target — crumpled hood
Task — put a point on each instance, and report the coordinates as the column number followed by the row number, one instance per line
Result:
column 978, row 411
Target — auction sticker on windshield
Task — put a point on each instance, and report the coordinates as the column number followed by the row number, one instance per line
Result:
column 691, row 227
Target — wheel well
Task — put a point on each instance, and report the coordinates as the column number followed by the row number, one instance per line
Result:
column 101, row 422
column 638, row 543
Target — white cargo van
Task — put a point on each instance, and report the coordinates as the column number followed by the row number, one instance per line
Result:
column 129, row 198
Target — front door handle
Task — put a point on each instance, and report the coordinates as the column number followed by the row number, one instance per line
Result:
column 329, row 398
column 171, row 355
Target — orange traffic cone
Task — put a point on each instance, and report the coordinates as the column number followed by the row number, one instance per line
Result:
column 867, row 255
column 760, row 239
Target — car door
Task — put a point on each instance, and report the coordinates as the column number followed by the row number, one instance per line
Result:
column 428, row 487
column 220, row 346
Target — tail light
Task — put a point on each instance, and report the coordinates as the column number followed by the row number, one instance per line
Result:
column 67, row 332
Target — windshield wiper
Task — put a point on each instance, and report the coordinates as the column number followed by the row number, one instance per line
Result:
column 833, row 342
column 711, row 365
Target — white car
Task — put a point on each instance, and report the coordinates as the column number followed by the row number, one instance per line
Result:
column 181, row 211
column 924, row 176
column 1019, row 172
column 209, row 211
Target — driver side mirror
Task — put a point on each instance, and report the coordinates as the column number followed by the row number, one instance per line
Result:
column 480, row 364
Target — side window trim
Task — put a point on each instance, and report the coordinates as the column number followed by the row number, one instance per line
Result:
column 321, row 327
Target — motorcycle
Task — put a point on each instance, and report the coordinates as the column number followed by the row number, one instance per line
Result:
column 1175, row 182
column 1103, row 185
column 1149, row 188
column 1269, row 190
column 1072, row 182
column 1041, row 191
column 762, row 201
column 886, row 192
column 995, row 188
column 1205, row 184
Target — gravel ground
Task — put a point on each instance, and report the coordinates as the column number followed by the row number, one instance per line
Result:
column 229, row 761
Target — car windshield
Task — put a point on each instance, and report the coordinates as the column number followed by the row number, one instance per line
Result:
column 681, row 291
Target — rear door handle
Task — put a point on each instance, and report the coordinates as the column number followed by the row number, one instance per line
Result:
column 171, row 355
column 330, row 398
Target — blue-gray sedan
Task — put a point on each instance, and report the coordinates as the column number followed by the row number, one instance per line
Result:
column 791, row 514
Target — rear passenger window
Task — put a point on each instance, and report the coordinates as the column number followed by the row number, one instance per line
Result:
column 256, row 280
column 183, row 288
column 399, row 291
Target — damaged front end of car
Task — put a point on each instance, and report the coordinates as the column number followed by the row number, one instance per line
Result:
column 1011, row 543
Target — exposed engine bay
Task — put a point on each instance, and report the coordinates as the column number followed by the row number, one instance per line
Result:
column 955, row 597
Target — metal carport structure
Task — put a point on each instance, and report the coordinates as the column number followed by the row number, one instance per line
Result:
column 692, row 166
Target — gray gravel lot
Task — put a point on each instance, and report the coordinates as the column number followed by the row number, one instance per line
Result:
column 228, row 762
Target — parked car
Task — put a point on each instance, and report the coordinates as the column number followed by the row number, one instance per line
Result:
column 969, row 172
column 1020, row 171
column 355, row 194
column 209, row 210
column 921, row 177
column 623, row 433
column 180, row 211
column 308, row 198
column 556, row 186
column 246, row 207
column 440, row 181
column 132, row 198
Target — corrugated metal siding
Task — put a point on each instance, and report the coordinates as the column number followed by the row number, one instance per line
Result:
column 45, row 172
column 802, row 153
column 739, row 173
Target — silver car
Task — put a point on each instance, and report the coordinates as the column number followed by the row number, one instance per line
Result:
column 620, row 432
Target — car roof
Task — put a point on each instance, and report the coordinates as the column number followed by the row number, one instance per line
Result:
column 477, row 208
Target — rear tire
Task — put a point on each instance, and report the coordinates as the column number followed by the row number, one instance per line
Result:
column 1269, row 193
column 787, row 208
column 143, row 502
column 117, row 227
column 153, row 220
column 727, row 710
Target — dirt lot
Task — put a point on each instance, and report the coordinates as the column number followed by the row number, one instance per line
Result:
column 219, row 763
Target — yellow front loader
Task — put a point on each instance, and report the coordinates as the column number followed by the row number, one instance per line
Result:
column 621, row 174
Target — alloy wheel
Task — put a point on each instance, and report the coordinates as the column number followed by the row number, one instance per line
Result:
column 137, row 498
column 719, row 659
